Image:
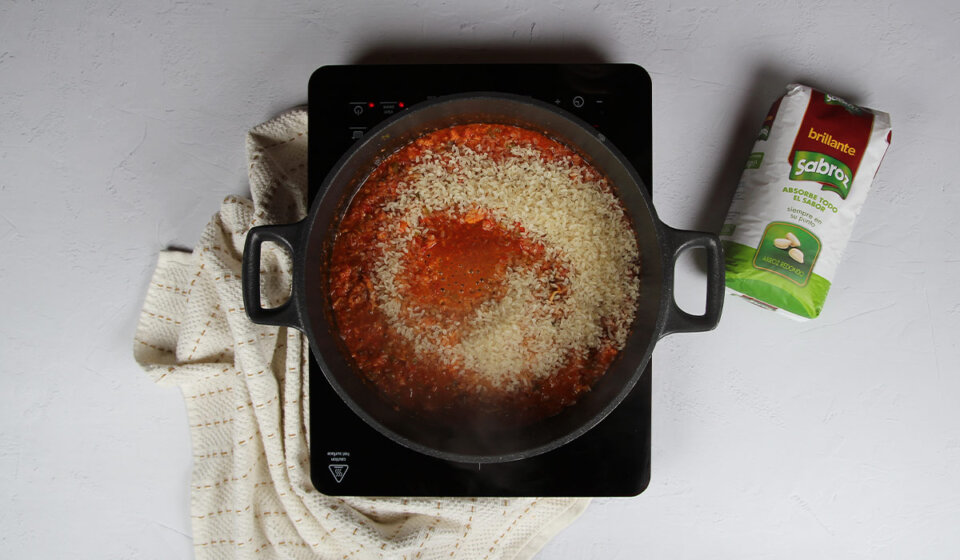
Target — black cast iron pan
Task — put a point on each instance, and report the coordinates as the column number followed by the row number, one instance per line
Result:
column 310, row 241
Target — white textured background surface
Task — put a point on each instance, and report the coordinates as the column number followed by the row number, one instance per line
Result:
column 122, row 127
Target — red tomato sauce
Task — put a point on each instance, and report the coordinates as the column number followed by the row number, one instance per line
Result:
column 457, row 265
column 459, row 262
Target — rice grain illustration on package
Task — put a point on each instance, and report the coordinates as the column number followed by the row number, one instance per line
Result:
column 803, row 186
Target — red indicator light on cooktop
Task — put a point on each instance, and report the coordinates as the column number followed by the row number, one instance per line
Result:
column 370, row 104
column 401, row 105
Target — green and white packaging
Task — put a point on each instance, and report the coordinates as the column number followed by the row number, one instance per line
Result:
column 804, row 184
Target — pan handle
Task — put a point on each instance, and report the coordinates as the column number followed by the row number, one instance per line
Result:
column 678, row 320
column 287, row 315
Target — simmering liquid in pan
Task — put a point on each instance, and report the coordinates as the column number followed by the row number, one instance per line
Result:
column 484, row 270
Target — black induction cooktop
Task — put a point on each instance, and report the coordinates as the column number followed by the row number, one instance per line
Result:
column 350, row 458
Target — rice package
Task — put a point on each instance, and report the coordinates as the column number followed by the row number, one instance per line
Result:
column 803, row 186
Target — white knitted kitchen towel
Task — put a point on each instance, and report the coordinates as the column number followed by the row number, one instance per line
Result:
column 246, row 393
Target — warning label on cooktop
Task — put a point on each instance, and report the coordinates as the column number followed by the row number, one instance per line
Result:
column 339, row 471
column 338, row 464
